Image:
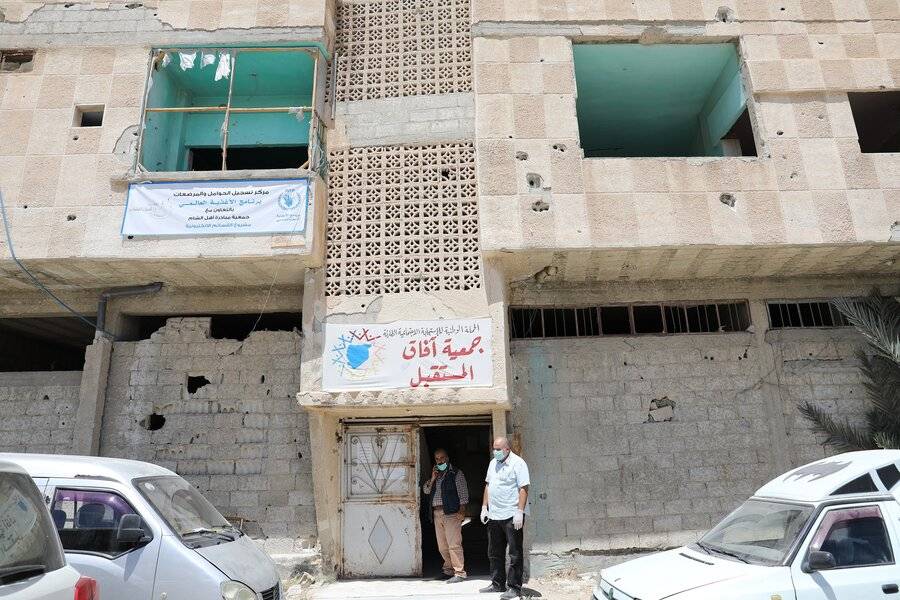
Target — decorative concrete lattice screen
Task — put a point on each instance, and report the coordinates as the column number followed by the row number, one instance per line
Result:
column 402, row 219
column 393, row 48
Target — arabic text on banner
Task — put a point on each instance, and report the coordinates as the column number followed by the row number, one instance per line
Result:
column 217, row 207
column 408, row 354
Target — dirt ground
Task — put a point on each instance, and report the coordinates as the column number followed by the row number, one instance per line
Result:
column 562, row 585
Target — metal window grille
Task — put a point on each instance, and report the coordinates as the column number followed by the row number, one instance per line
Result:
column 628, row 319
column 799, row 314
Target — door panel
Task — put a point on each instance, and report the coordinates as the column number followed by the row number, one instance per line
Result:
column 866, row 561
column 86, row 519
column 381, row 532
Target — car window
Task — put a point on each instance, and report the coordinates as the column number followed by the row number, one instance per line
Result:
column 856, row 537
column 27, row 539
column 760, row 532
column 88, row 520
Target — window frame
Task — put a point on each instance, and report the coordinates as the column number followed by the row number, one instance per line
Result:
column 820, row 521
column 597, row 308
column 316, row 135
column 105, row 490
column 835, row 315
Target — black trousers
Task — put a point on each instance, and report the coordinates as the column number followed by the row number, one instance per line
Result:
column 500, row 535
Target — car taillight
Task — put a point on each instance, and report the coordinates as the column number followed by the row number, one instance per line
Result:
column 86, row 589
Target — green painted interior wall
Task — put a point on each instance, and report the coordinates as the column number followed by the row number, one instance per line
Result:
column 656, row 100
column 261, row 79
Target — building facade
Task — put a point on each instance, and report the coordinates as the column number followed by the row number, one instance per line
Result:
column 607, row 229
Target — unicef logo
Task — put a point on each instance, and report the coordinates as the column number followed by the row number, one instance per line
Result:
column 289, row 200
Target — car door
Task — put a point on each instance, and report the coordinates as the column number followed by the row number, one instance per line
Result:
column 87, row 520
column 863, row 543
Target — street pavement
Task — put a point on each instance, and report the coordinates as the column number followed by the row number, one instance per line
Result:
column 403, row 589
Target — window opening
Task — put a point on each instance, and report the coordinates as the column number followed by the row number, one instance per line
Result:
column 238, row 327
column 16, row 61
column 88, row 520
column 877, row 118
column 661, row 100
column 861, row 485
column 252, row 157
column 638, row 319
column 648, row 319
column 785, row 314
column 88, row 116
column 44, row 344
column 855, row 537
column 889, row 476
column 230, row 109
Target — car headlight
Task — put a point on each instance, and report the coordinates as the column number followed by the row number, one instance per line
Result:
column 234, row 590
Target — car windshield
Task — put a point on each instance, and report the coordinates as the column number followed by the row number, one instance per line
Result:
column 28, row 542
column 758, row 532
column 185, row 510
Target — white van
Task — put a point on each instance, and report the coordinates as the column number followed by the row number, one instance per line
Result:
column 144, row 533
column 32, row 564
column 829, row 530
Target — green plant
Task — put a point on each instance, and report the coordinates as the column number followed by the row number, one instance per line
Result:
column 877, row 318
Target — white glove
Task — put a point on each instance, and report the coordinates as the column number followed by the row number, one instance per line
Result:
column 518, row 519
column 484, row 515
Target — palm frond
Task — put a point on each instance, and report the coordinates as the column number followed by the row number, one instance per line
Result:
column 887, row 441
column 877, row 318
column 840, row 435
column 881, row 379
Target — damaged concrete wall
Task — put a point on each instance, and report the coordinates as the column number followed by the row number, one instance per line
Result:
column 37, row 411
column 644, row 442
column 223, row 414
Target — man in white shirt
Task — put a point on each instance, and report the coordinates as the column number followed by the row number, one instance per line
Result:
column 503, row 509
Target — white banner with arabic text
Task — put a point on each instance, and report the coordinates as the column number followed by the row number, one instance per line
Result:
column 408, row 354
column 217, row 207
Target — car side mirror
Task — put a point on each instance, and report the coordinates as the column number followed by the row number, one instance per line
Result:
column 820, row 561
column 131, row 532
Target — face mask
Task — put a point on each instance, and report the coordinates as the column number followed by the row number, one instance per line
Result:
column 442, row 467
column 499, row 455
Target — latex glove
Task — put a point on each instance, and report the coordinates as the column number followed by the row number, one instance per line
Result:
column 518, row 519
column 484, row 515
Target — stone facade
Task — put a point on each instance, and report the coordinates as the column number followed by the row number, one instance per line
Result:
column 458, row 187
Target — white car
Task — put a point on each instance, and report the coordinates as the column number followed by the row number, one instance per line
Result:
column 829, row 530
column 32, row 565
column 144, row 533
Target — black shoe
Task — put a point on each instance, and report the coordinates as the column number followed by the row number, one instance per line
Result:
column 455, row 579
column 443, row 576
column 511, row 594
column 491, row 589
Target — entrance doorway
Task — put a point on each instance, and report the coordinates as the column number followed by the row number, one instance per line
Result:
column 386, row 529
column 468, row 448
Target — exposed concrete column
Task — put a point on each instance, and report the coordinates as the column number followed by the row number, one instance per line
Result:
column 770, row 365
column 92, row 398
column 325, row 440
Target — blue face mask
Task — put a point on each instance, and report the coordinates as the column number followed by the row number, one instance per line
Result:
column 442, row 467
column 499, row 455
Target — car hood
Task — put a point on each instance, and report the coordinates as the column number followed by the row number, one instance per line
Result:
column 242, row 560
column 666, row 574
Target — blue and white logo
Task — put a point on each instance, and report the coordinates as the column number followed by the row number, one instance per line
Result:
column 290, row 200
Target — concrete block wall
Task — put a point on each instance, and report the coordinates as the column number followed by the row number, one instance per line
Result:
column 241, row 438
column 607, row 478
column 37, row 411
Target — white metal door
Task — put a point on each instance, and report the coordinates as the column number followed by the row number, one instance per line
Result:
column 381, row 530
